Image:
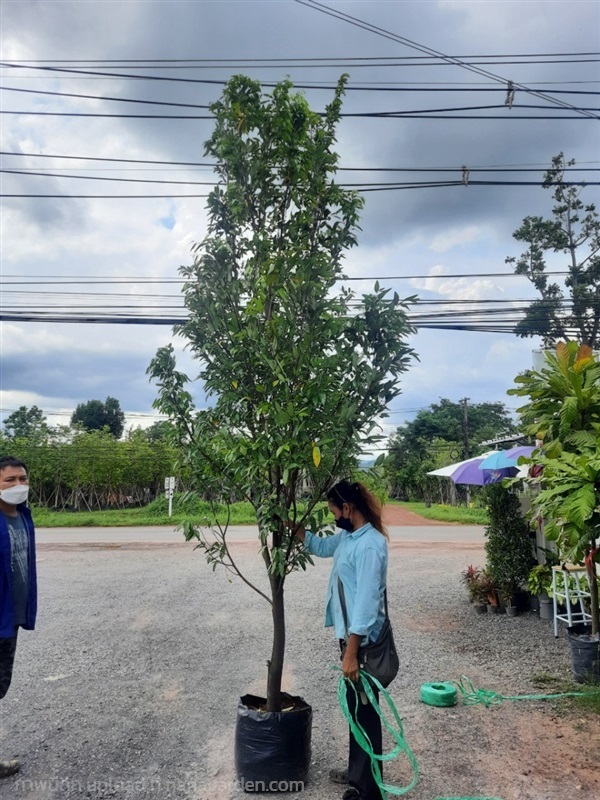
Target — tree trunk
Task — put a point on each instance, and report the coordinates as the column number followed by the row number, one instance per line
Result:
column 593, row 581
column 275, row 665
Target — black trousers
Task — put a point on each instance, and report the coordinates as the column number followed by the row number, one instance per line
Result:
column 360, row 774
column 7, row 660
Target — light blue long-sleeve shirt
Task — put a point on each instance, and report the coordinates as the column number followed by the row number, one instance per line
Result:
column 360, row 560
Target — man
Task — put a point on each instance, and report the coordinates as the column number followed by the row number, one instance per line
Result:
column 18, row 583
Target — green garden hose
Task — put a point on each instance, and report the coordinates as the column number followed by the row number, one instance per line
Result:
column 359, row 733
column 472, row 696
column 442, row 695
column 366, row 683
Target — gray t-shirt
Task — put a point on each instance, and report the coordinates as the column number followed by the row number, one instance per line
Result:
column 19, row 564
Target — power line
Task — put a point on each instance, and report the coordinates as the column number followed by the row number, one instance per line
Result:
column 355, row 21
column 439, row 113
column 280, row 61
column 358, row 188
column 93, row 279
column 339, row 15
column 379, row 185
column 403, row 90
column 474, row 168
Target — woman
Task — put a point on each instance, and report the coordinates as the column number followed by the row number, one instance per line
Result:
column 360, row 565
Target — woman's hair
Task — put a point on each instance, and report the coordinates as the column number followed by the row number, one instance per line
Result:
column 357, row 495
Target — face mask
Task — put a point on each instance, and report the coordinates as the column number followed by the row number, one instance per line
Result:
column 344, row 523
column 15, row 494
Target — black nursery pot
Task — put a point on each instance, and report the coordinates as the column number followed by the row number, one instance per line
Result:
column 585, row 653
column 272, row 749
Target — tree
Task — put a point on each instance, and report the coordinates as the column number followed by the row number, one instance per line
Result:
column 564, row 412
column 297, row 369
column 161, row 431
column 574, row 230
column 26, row 423
column 96, row 415
column 508, row 544
column 438, row 431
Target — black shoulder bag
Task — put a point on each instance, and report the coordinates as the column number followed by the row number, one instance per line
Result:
column 380, row 658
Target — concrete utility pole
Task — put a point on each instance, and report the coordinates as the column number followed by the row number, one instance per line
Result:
column 466, row 453
column 463, row 403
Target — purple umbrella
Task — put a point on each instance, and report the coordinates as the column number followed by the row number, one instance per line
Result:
column 468, row 472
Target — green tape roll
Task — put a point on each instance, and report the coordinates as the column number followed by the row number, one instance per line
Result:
column 442, row 695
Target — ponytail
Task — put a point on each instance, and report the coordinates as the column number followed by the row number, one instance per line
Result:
column 357, row 495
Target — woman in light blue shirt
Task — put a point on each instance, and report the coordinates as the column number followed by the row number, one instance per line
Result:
column 360, row 557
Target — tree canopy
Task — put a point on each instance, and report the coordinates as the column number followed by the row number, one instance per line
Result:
column 96, row 415
column 436, row 437
column 574, row 231
column 26, row 423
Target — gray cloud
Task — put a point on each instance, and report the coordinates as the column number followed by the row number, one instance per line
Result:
column 83, row 236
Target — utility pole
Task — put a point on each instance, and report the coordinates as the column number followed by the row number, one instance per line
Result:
column 463, row 403
column 466, row 453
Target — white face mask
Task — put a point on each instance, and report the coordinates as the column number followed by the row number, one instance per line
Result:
column 15, row 495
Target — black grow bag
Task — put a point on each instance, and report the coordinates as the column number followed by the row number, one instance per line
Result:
column 585, row 653
column 272, row 749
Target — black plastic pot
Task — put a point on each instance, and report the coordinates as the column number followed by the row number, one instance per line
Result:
column 585, row 653
column 272, row 749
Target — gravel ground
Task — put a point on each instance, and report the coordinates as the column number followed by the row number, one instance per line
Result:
column 129, row 687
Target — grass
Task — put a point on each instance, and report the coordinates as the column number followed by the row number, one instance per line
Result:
column 551, row 684
column 186, row 508
column 156, row 513
column 461, row 514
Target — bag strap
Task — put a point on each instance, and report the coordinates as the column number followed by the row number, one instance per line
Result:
column 343, row 603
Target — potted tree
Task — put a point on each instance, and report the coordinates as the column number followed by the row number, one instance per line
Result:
column 564, row 410
column 296, row 369
column 508, row 544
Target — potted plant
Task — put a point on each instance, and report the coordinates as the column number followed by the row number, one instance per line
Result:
column 508, row 598
column 564, row 410
column 490, row 592
column 508, row 547
column 472, row 578
column 296, row 371
column 539, row 583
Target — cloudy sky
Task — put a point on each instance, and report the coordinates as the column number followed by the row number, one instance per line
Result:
column 70, row 253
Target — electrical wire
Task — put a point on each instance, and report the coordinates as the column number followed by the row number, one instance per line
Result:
column 142, row 279
column 355, row 21
column 347, row 18
column 420, row 114
column 374, row 186
column 211, row 165
column 326, row 61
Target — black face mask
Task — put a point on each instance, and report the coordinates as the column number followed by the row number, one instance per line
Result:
column 344, row 523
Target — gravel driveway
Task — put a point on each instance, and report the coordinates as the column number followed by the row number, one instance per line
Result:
column 129, row 687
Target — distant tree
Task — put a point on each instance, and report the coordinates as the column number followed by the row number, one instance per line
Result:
column 574, row 230
column 161, row 431
column 96, row 415
column 26, row 423
column 437, row 434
